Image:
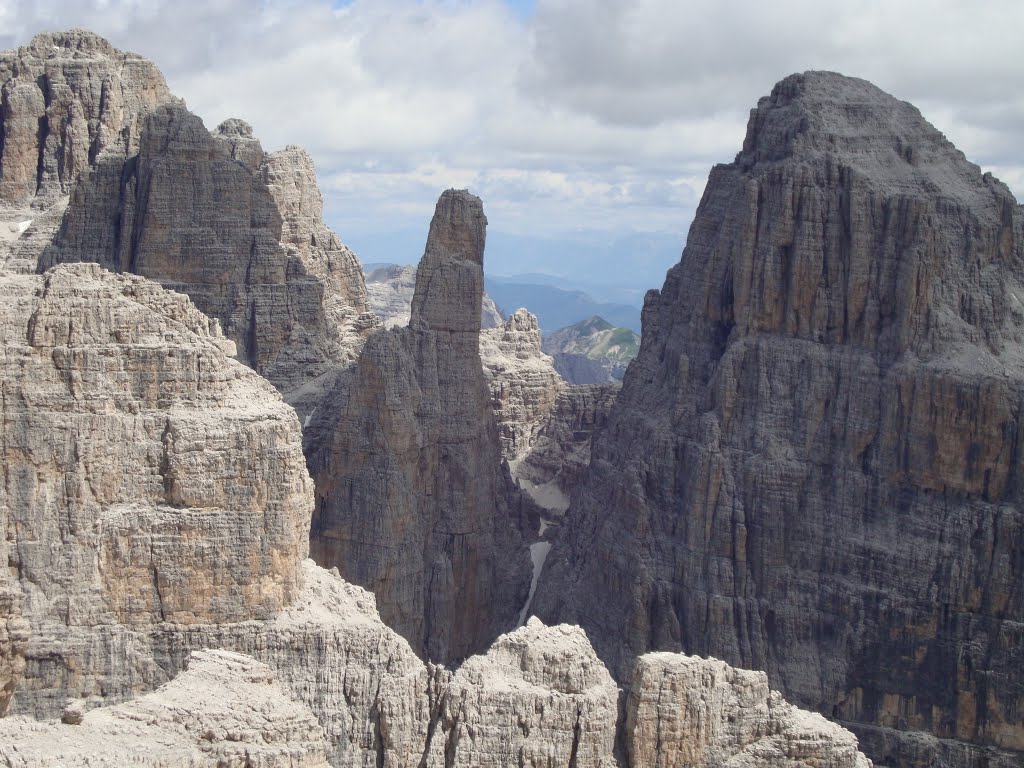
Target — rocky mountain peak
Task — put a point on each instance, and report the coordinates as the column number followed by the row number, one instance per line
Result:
column 862, row 128
column 68, row 97
column 74, row 40
column 450, row 278
column 827, row 395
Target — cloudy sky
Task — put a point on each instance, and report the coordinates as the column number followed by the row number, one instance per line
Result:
column 587, row 126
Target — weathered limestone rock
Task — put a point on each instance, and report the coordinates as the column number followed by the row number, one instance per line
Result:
column 156, row 503
column 225, row 709
column 522, row 381
column 130, row 442
column 813, row 467
column 240, row 232
column 684, row 711
column 65, row 100
column 538, row 697
column 412, row 500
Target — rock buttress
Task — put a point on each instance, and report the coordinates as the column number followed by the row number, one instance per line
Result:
column 813, row 467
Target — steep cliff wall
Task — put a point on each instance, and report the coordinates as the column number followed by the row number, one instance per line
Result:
column 412, row 500
column 813, row 467
column 237, row 230
column 66, row 99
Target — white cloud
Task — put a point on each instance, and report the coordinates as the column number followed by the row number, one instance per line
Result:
column 584, row 115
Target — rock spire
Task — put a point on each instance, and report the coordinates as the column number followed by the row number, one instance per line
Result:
column 412, row 499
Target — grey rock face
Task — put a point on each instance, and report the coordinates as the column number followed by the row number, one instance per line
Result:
column 813, row 467
column 66, row 99
column 238, row 231
column 560, row 452
column 156, row 505
column 412, row 499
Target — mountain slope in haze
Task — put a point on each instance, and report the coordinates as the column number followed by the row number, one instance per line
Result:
column 558, row 307
column 592, row 351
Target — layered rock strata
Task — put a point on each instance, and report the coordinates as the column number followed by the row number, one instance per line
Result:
column 157, row 503
column 539, row 696
column 129, row 447
column 687, row 711
column 522, row 380
column 412, row 500
column 813, row 467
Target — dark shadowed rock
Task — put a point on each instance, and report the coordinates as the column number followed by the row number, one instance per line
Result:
column 814, row 465
column 412, row 499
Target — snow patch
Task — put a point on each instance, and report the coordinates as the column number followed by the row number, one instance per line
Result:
column 538, row 554
column 23, row 225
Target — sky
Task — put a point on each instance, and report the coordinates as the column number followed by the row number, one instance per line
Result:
column 588, row 127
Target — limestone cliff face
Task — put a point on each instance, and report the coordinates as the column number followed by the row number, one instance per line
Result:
column 66, row 99
column 813, row 467
column 156, row 502
column 129, row 450
column 688, row 711
column 237, row 230
column 523, row 381
column 412, row 501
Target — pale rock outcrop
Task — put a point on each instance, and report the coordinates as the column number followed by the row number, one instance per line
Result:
column 538, row 697
column 66, row 99
column 389, row 291
column 156, row 502
column 412, row 500
column 814, row 466
column 224, row 709
column 688, row 712
column 130, row 442
column 522, row 380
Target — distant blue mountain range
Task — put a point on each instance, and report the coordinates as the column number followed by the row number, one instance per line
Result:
column 556, row 307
